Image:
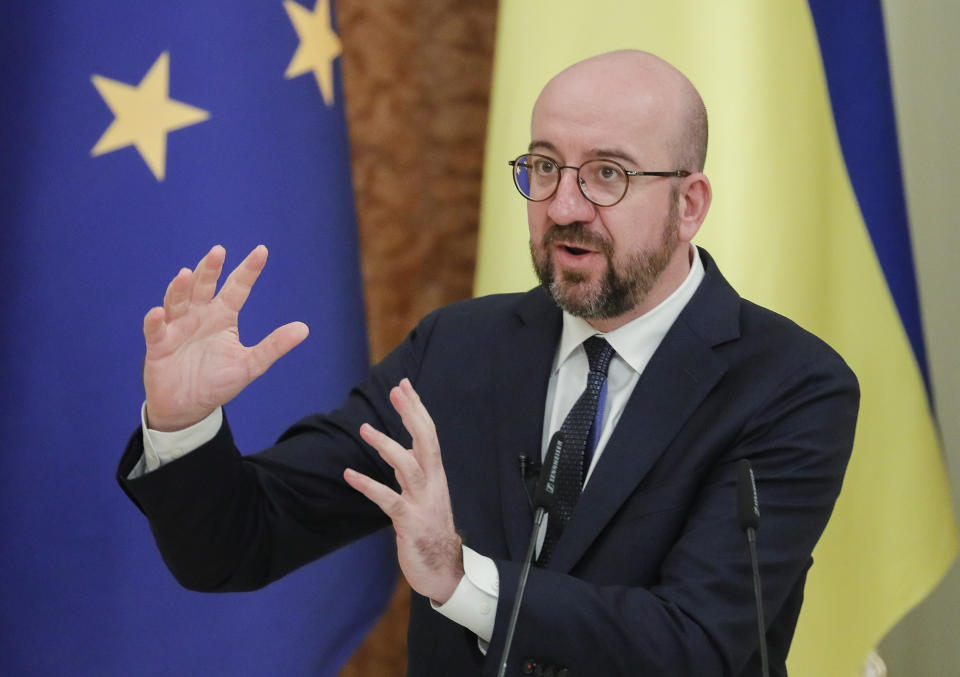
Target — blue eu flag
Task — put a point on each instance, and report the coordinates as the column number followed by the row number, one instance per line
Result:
column 134, row 137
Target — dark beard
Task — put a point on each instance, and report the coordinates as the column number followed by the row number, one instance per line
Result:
column 620, row 290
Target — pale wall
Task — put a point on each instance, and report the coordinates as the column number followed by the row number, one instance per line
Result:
column 925, row 54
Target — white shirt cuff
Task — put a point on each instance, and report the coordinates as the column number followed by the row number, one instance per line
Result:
column 474, row 603
column 159, row 448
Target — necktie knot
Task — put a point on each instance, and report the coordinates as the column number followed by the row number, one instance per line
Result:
column 599, row 353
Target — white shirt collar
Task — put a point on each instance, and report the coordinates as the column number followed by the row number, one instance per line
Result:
column 637, row 340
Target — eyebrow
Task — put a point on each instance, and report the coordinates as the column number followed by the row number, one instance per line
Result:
column 611, row 153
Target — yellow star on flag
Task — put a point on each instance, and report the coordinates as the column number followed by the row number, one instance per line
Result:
column 319, row 45
column 144, row 115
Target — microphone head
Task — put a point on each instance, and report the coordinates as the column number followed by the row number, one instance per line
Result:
column 748, row 506
column 544, row 496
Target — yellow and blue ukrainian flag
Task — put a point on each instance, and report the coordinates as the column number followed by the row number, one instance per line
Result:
column 134, row 137
column 809, row 219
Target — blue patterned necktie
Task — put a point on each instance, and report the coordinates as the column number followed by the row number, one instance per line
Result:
column 581, row 429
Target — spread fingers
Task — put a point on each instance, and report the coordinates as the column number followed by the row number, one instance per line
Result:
column 408, row 472
column 236, row 289
column 206, row 275
column 416, row 419
column 177, row 299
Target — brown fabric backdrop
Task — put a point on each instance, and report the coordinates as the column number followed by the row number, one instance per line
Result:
column 417, row 81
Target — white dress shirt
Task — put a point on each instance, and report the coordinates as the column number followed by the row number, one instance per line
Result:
column 474, row 602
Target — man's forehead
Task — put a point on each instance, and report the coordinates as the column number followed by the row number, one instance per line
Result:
column 613, row 152
column 623, row 105
column 603, row 111
column 623, row 70
column 623, row 87
column 584, row 129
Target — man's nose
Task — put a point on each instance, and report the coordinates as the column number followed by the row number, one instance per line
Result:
column 568, row 205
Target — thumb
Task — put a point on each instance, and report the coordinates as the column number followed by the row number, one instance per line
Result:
column 274, row 346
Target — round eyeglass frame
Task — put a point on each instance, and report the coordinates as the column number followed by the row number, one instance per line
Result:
column 516, row 164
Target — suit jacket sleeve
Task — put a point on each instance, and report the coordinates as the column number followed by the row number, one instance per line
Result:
column 228, row 522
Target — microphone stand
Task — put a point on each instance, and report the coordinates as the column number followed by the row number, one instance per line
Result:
column 524, row 572
column 543, row 501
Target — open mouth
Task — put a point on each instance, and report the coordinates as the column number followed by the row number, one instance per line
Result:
column 576, row 251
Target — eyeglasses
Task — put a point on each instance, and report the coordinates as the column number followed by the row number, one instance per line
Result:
column 603, row 182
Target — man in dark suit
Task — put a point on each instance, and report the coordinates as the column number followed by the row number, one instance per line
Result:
column 643, row 571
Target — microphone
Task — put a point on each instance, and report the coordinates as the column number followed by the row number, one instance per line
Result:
column 543, row 502
column 544, row 497
column 748, row 514
column 748, row 507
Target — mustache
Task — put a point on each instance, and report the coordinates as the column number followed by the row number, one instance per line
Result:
column 576, row 234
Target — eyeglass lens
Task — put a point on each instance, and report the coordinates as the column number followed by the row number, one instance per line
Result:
column 601, row 181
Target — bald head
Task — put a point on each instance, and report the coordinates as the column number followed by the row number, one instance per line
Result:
column 637, row 86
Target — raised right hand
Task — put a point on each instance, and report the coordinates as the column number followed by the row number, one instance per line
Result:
column 195, row 361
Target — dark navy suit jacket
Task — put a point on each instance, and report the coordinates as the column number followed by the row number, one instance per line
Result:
column 651, row 576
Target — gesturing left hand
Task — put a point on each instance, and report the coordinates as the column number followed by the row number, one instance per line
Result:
column 428, row 546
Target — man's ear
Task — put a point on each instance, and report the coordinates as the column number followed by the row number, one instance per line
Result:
column 695, row 196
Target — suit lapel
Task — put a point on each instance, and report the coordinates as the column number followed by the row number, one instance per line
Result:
column 678, row 377
column 522, row 373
